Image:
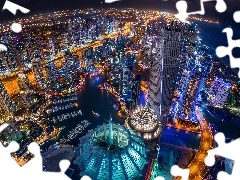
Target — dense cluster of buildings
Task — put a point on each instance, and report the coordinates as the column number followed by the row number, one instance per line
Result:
column 52, row 60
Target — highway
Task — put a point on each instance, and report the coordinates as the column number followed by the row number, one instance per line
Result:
column 197, row 167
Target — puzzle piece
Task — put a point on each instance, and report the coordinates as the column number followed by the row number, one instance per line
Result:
column 227, row 150
column 236, row 16
column 111, row 1
column 86, row 178
column 159, row 178
column 181, row 6
column 12, row 7
column 222, row 51
column 16, row 27
column 5, row 156
column 35, row 165
column 3, row 47
column 177, row 171
column 11, row 170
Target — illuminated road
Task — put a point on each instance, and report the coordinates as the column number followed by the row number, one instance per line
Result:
column 197, row 167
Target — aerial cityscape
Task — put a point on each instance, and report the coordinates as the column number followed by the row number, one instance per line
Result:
column 124, row 94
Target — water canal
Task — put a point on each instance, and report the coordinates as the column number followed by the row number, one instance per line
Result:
column 91, row 98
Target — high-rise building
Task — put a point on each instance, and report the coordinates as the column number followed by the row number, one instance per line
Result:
column 23, row 83
column 40, row 80
column 125, row 81
column 9, row 56
column 115, row 67
column 21, row 55
column 135, row 91
column 52, row 73
column 7, row 107
column 65, row 41
column 165, row 67
column 219, row 92
column 187, row 105
column 3, row 67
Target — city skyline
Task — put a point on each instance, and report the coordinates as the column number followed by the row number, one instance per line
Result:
column 122, row 93
column 36, row 6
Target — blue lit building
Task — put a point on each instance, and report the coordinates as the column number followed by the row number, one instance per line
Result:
column 52, row 73
column 9, row 55
column 219, row 91
column 111, row 152
column 195, row 82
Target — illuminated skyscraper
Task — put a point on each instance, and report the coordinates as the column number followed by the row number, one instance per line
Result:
column 187, row 106
column 115, row 73
column 7, row 107
column 21, row 55
column 2, row 65
column 165, row 67
column 65, row 41
column 52, row 73
column 9, row 56
column 40, row 80
column 219, row 92
column 111, row 152
column 125, row 81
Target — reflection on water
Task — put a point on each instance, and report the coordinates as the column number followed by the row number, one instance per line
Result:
column 89, row 99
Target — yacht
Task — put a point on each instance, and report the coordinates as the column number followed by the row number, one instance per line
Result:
column 95, row 113
column 115, row 106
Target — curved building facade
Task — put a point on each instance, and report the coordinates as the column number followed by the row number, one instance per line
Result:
column 111, row 152
column 145, row 123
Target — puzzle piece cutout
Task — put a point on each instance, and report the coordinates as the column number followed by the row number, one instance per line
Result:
column 15, row 27
column 12, row 7
column 10, row 169
column 3, row 47
column 86, row 178
column 177, row 171
column 159, row 178
column 236, row 16
column 222, row 51
column 227, row 150
column 111, row 1
column 181, row 6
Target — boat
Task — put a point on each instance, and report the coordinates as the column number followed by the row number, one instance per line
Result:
column 115, row 106
column 95, row 113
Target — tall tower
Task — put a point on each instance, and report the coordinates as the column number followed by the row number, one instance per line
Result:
column 103, row 22
column 9, row 56
column 41, row 82
column 165, row 66
column 7, row 107
column 110, row 131
column 187, row 106
column 219, row 91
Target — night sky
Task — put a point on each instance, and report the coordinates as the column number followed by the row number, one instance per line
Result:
column 41, row 6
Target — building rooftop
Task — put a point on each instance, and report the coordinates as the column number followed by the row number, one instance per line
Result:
column 111, row 152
